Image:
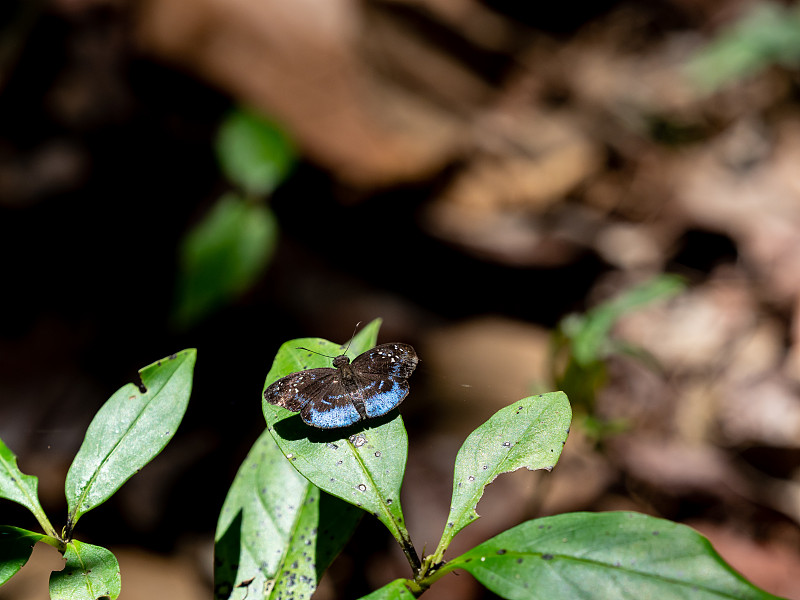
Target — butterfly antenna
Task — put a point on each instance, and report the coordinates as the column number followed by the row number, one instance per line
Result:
column 313, row 352
column 325, row 355
column 351, row 337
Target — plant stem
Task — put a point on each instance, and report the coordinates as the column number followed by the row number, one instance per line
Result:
column 45, row 524
column 410, row 552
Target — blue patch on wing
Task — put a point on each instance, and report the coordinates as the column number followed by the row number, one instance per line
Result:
column 390, row 392
column 329, row 415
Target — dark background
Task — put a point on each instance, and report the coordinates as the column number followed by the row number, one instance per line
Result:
column 107, row 159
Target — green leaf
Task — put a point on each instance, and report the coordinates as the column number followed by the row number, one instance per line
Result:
column 590, row 333
column 276, row 530
column 16, row 546
column 585, row 341
column 20, row 488
column 362, row 464
column 253, row 152
column 130, row 429
column 399, row 589
column 223, row 256
column 603, row 555
column 529, row 433
column 769, row 33
column 91, row 572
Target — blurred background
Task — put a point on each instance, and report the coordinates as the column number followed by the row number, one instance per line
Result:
column 600, row 197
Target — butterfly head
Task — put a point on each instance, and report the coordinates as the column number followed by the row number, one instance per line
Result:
column 341, row 361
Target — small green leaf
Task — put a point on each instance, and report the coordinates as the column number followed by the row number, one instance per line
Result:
column 16, row 546
column 399, row 589
column 223, row 256
column 91, row 572
column 253, row 152
column 582, row 344
column 20, row 488
column 362, row 464
column 590, row 333
column 529, row 433
column 130, row 429
column 604, row 555
column 768, row 33
column 276, row 530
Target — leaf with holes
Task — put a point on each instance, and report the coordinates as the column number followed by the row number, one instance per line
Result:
column 18, row 487
column 529, row 433
column 91, row 572
column 362, row 464
column 276, row 530
column 603, row 555
column 16, row 546
column 130, row 429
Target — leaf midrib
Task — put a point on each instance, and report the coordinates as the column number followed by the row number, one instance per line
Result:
column 378, row 492
column 18, row 481
column 153, row 394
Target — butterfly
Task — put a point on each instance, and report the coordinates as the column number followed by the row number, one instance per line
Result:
column 327, row 398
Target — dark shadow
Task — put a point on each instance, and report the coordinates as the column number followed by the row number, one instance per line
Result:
column 337, row 520
column 293, row 428
column 702, row 251
column 226, row 559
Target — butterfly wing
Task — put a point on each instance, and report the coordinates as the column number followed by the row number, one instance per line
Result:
column 380, row 393
column 317, row 394
column 295, row 391
column 396, row 360
column 381, row 376
column 332, row 409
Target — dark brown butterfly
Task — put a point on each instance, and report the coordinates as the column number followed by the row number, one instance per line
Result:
column 372, row 385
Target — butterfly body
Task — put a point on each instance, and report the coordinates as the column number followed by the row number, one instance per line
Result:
column 372, row 385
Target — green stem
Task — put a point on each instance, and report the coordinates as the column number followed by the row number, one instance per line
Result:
column 45, row 524
column 408, row 549
column 433, row 572
column 55, row 542
column 438, row 555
